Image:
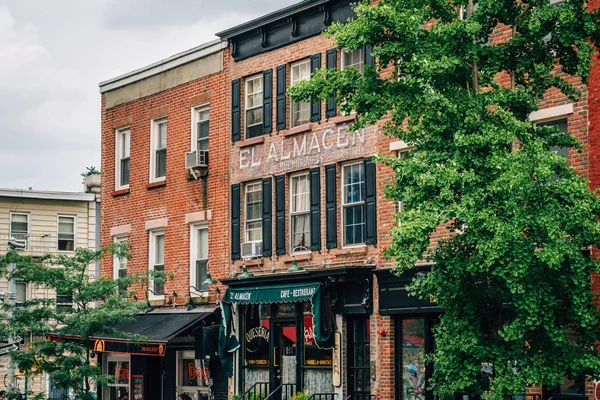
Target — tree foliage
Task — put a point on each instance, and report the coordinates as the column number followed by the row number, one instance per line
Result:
column 512, row 279
column 100, row 306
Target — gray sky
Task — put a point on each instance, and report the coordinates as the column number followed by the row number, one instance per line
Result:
column 55, row 52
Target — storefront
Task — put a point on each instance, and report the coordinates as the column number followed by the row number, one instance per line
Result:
column 413, row 338
column 177, row 355
column 285, row 331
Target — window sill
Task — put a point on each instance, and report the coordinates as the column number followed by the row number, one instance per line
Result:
column 121, row 192
column 253, row 141
column 153, row 185
column 360, row 249
column 340, row 119
column 296, row 130
column 249, row 263
column 304, row 256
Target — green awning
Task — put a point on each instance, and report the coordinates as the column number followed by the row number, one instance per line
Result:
column 291, row 293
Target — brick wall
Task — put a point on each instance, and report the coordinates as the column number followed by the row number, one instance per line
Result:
column 181, row 194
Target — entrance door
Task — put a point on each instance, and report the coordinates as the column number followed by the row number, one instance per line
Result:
column 285, row 352
column 359, row 358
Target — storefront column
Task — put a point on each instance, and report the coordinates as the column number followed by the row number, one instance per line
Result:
column 341, row 389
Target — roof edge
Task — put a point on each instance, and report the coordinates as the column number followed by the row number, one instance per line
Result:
column 47, row 195
column 269, row 18
column 166, row 64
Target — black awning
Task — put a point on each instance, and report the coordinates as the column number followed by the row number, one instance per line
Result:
column 394, row 298
column 162, row 326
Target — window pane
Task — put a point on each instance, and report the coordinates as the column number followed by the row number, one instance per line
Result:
column 354, row 224
column 162, row 135
column 201, row 274
column 203, row 129
column 159, row 287
column 125, row 144
column 300, row 231
column 354, row 59
column 161, row 163
column 19, row 226
column 353, row 190
column 159, row 255
column 254, row 116
column 66, row 225
column 125, row 171
column 120, row 371
column 256, row 334
column 300, row 113
column 20, row 292
column 202, row 244
column 300, row 193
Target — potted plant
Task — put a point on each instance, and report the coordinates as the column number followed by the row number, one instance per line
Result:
column 91, row 177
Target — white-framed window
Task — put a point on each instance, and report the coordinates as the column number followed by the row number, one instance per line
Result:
column 253, row 212
column 158, row 150
column 253, row 106
column 20, row 292
column 199, row 256
column 157, row 260
column 66, row 233
column 353, row 204
column 354, row 59
column 200, row 119
column 120, row 264
column 192, row 375
column 299, row 212
column 64, row 301
column 117, row 366
column 19, row 227
column 300, row 71
column 122, row 158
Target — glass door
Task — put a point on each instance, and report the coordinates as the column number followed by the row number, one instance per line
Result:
column 285, row 351
column 359, row 358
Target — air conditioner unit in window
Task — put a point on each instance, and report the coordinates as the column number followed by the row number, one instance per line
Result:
column 251, row 249
column 196, row 159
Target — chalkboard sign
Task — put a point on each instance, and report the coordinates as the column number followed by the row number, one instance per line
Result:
column 138, row 387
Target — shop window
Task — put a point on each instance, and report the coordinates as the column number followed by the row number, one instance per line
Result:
column 314, row 356
column 300, row 212
column 192, row 375
column 254, row 106
column 257, row 325
column 253, row 227
column 66, row 233
column 353, row 204
column 118, row 367
column 300, row 71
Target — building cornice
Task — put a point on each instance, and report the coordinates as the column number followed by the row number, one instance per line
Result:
column 161, row 66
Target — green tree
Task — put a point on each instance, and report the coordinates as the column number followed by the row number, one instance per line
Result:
column 512, row 278
column 100, row 306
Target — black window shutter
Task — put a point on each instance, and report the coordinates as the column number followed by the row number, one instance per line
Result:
column 331, row 206
column 281, row 99
column 235, row 110
column 369, row 59
column 331, row 63
column 280, row 215
column 315, row 208
column 370, row 202
column 268, row 101
column 315, row 104
column 235, row 221
column 267, row 219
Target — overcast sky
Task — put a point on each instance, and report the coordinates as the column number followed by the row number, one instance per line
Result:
column 55, row 52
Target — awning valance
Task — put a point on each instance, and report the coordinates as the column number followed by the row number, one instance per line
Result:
column 291, row 293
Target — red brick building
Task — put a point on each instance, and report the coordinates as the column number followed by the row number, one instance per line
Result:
column 289, row 209
column 162, row 126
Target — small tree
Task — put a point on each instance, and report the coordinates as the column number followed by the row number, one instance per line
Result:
column 99, row 306
column 512, row 278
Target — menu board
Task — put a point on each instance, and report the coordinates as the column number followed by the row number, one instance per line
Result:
column 138, row 387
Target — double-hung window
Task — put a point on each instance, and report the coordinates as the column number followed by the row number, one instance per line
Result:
column 253, row 228
column 120, row 265
column 19, row 227
column 122, row 165
column 253, row 107
column 199, row 256
column 300, row 71
column 299, row 212
column 354, row 59
column 66, row 233
column 353, row 204
column 64, row 301
column 157, row 260
column 201, row 137
column 158, row 150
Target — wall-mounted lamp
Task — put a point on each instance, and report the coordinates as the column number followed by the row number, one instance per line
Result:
column 295, row 267
column 209, row 280
column 191, row 306
column 381, row 331
column 245, row 274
